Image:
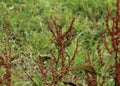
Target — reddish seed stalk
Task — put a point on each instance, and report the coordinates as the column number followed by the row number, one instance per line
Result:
column 114, row 33
column 91, row 77
column 61, row 40
column 106, row 45
column 99, row 53
column 5, row 58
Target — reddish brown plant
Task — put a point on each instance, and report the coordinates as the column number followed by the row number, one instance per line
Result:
column 61, row 41
column 5, row 58
column 91, row 76
column 114, row 33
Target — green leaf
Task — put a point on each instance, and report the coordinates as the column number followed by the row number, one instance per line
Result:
column 37, row 81
column 109, row 61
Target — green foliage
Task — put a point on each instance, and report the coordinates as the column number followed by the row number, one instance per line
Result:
column 37, row 81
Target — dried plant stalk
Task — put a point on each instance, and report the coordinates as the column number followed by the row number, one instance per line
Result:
column 61, row 41
column 5, row 58
column 114, row 33
column 91, row 76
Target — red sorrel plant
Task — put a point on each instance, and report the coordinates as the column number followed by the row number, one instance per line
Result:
column 5, row 58
column 59, row 65
column 99, row 53
column 114, row 33
column 91, row 77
